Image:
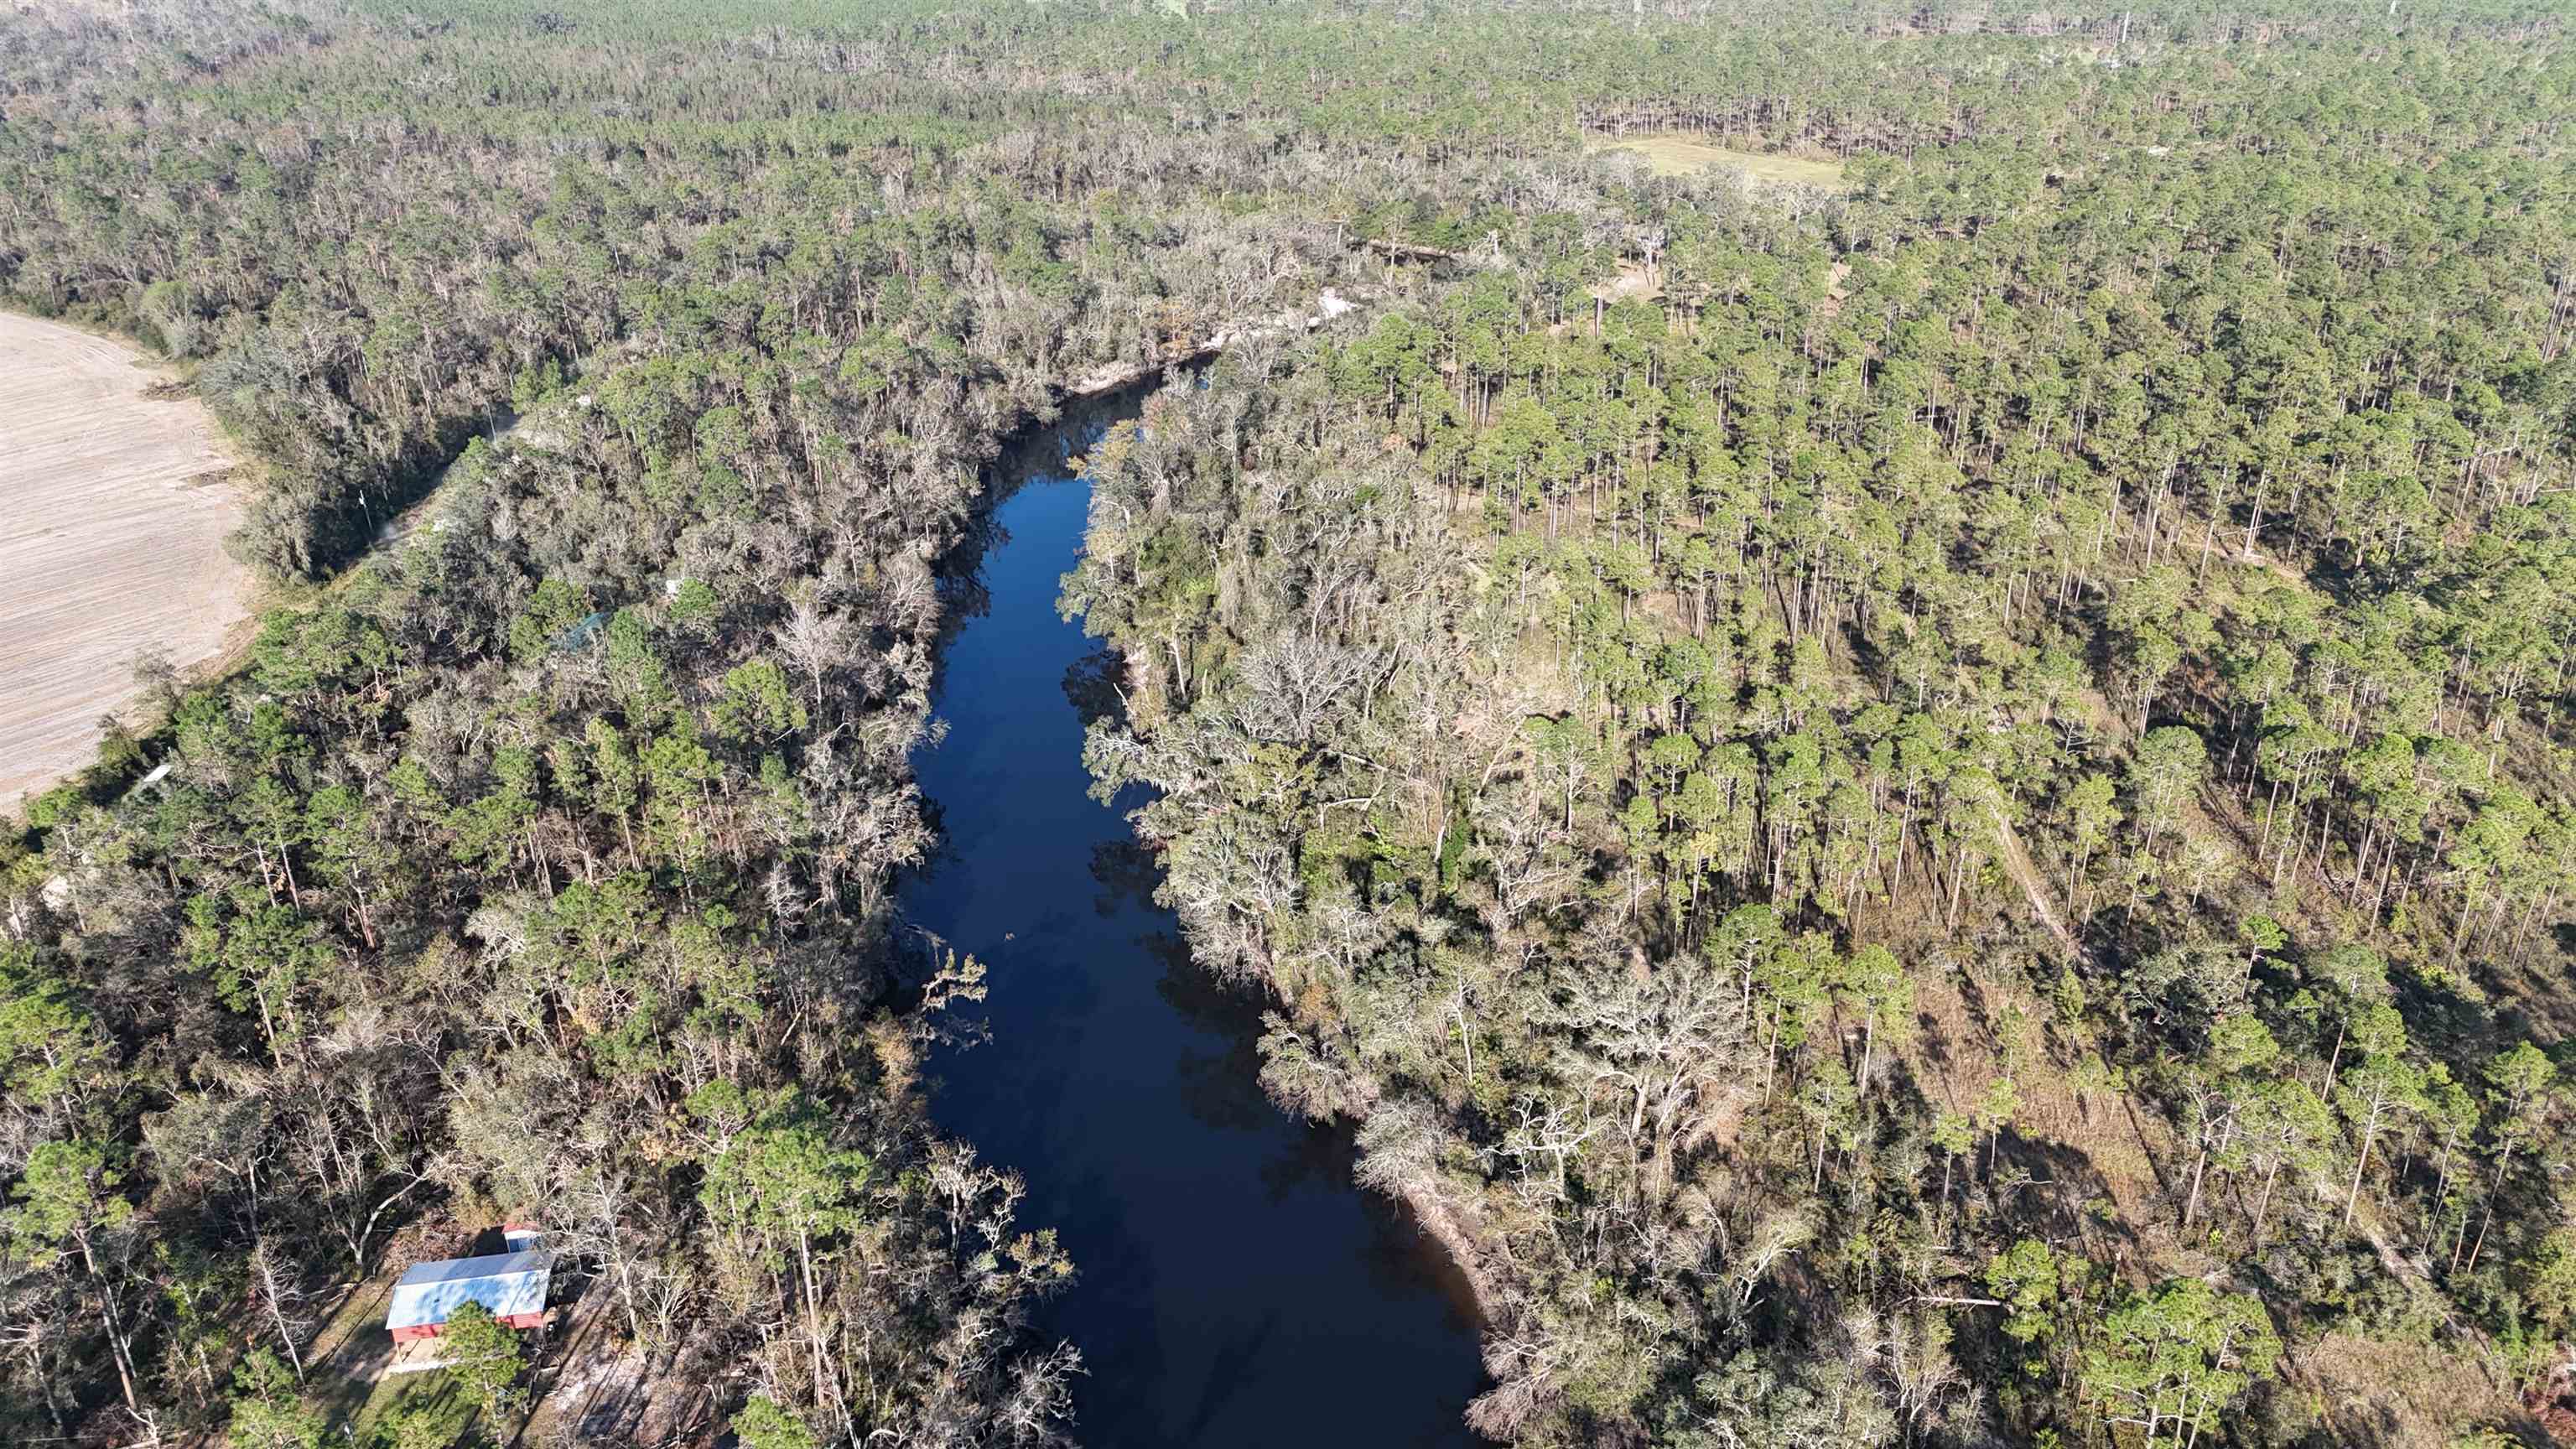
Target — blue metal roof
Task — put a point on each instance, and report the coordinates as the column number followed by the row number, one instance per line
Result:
column 507, row 1284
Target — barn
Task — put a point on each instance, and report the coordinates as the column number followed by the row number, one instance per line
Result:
column 511, row 1285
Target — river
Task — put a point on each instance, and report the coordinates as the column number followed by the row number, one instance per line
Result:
column 1236, row 1288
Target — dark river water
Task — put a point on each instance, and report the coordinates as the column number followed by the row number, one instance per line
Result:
column 1236, row 1288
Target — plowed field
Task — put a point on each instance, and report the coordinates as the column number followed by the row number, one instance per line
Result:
column 113, row 511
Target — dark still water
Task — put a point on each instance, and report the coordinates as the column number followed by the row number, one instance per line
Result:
column 1236, row 1288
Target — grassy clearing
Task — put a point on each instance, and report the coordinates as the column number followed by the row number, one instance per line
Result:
column 585, row 1372
column 1676, row 155
column 349, row 1356
column 2359, row 1390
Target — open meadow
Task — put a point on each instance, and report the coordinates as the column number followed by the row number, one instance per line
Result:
column 113, row 510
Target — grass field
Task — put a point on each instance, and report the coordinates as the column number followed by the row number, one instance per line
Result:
column 1675, row 155
column 113, row 511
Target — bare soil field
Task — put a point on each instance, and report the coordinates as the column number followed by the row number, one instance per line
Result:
column 113, row 511
column 1673, row 155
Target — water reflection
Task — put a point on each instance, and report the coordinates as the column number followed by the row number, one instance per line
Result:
column 1127, row 873
column 1091, row 686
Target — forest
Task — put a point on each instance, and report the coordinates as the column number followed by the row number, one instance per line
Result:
column 1931, row 811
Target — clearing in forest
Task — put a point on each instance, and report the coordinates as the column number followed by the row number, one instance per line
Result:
column 1671, row 154
column 113, row 511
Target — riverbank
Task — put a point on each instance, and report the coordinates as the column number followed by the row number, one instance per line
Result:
column 1109, row 381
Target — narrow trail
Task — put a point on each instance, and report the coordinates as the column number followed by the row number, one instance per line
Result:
column 2018, row 864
